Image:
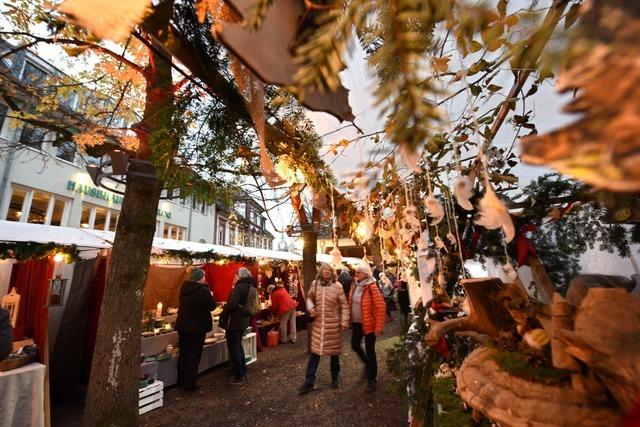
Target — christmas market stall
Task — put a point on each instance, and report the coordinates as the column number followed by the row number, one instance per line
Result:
column 46, row 274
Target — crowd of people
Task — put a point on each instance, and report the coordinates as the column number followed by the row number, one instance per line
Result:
column 361, row 301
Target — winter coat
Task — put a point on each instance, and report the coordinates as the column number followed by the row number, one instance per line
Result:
column 6, row 339
column 373, row 307
column 196, row 305
column 233, row 316
column 403, row 296
column 281, row 302
column 332, row 310
column 346, row 280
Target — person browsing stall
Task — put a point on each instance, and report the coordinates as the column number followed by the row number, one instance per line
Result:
column 328, row 306
column 234, row 319
column 283, row 307
column 193, row 323
column 368, row 313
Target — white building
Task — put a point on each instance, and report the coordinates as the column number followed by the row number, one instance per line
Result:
column 46, row 184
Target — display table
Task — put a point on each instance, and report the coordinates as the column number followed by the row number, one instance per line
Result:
column 22, row 396
column 212, row 355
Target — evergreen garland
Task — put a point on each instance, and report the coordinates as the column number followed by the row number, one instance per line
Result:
column 186, row 257
column 25, row 251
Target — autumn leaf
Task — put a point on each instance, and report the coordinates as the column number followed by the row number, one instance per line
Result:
column 441, row 64
column 343, row 143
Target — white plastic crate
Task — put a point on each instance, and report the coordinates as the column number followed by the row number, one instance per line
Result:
column 151, row 397
column 250, row 346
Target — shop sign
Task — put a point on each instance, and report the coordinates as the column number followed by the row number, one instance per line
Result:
column 93, row 192
column 105, row 195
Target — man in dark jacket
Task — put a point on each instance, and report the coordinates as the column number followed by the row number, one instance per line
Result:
column 6, row 336
column 235, row 320
column 345, row 280
column 194, row 321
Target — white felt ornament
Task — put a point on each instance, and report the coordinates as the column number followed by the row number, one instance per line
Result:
column 463, row 190
column 451, row 238
column 439, row 244
column 410, row 157
column 434, row 208
column 492, row 214
column 410, row 214
column 336, row 257
column 388, row 214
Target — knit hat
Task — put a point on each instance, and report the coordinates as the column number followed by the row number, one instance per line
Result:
column 196, row 274
column 270, row 288
column 363, row 267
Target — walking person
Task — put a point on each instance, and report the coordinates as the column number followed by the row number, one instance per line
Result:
column 328, row 306
column 367, row 316
column 345, row 280
column 386, row 287
column 403, row 296
column 234, row 319
column 193, row 323
column 284, row 308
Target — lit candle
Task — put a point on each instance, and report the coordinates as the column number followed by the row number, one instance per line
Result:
column 159, row 310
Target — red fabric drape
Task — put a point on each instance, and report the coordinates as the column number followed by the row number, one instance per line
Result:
column 31, row 280
column 95, row 303
column 220, row 278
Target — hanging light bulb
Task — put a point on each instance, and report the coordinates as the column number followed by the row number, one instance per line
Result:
column 58, row 257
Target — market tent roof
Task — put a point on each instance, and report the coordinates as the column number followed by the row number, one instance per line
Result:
column 345, row 259
column 11, row 231
column 267, row 253
column 161, row 244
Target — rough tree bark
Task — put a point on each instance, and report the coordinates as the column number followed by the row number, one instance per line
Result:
column 112, row 398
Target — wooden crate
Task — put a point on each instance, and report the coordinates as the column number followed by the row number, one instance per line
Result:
column 151, row 397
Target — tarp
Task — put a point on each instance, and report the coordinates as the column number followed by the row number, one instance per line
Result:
column 345, row 259
column 11, row 231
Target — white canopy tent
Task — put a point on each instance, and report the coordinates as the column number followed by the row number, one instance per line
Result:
column 11, row 231
column 267, row 253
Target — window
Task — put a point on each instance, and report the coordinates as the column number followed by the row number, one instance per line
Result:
column 37, row 207
column 32, row 136
column 3, row 115
column 174, row 232
column 114, row 221
column 33, row 74
column 222, row 225
column 66, row 151
column 203, row 208
column 85, row 218
column 16, row 204
column 98, row 217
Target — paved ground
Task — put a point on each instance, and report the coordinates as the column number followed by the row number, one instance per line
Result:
column 271, row 396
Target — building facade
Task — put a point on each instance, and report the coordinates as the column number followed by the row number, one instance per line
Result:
column 46, row 183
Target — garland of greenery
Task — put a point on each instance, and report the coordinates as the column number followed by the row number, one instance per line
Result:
column 24, row 251
column 186, row 257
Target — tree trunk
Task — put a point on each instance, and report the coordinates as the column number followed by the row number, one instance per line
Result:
column 309, row 250
column 112, row 398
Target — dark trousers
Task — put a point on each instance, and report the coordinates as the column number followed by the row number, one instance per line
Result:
column 312, row 367
column 236, row 353
column 190, row 353
column 368, row 358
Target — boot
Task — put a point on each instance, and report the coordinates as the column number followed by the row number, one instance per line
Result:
column 371, row 386
column 306, row 388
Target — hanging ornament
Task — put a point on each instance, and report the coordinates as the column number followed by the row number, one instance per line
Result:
column 463, row 190
column 253, row 91
column 493, row 214
column 410, row 157
column 406, row 234
column 387, row 214
column 509, row 272
column 336, row 257
column 423, row 243
column 451, row 238
column 385, row 233
column 434, row 208
column 439, row 244
column 113, row 20
column 410, row 215
column 386, row 257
